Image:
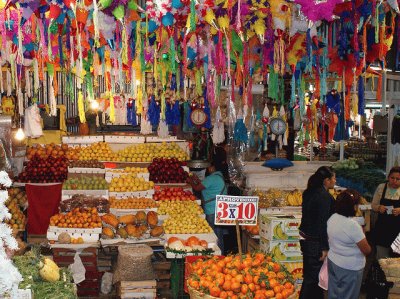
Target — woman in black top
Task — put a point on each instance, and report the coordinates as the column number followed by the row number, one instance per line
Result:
column 317, row 207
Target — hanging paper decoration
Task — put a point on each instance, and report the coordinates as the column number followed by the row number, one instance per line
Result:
column 154, row 112
column 218, row 132
column 81, row 107
column 318, row 9
column 240, row 130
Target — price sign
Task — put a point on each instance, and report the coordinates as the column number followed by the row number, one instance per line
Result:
column 228, row 209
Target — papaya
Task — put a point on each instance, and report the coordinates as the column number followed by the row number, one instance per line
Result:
column 122, row 232
column 127, row 219
column 110, row 219
column 108, row 232
column 157, row 231
column 141, row 217
column 152, row 219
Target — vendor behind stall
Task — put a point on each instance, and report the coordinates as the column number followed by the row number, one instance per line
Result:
column 210, row 187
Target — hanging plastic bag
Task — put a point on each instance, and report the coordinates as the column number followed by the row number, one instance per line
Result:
column 77, row 269
column 323, row 275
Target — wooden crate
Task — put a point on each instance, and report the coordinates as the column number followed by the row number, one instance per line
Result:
column 162, row 271
column 90, row 287
column 65, row 257
column 137, row 289
column 249, row 244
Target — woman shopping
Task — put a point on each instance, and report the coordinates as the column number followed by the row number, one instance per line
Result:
column 386, row 203
column 347, row 248
column 317, row 207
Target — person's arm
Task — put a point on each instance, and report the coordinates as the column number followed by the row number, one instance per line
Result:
column 195, row 182
column 376, row 200
column 365, row 248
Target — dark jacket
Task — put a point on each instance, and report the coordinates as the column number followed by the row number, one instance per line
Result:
column 317, row 207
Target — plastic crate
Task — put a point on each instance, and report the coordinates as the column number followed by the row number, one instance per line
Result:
column 178, row 279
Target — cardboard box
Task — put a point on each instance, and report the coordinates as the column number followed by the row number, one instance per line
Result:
column 288, row 251
column 280, row 227
column 296, row 269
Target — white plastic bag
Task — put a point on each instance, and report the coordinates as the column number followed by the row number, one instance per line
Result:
column 77, row 269
column 106, row 283
column 323, row 275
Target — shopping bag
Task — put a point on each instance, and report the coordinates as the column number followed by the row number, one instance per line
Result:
column 323, row 275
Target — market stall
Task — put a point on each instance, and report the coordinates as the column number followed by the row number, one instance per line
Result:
column 109, row 109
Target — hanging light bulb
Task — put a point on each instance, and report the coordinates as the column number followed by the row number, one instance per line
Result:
column 20, row 135
column 94, row 105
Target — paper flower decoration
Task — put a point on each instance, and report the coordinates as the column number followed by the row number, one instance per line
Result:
column 318, row 9
column 157, row 9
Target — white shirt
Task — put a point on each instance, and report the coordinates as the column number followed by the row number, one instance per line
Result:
column 343, row 235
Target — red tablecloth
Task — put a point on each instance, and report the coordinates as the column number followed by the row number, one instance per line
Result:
column 43, row 201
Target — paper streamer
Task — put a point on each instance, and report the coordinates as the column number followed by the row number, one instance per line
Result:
column 81, row 108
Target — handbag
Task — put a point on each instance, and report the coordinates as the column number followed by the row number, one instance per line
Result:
column 323, row 275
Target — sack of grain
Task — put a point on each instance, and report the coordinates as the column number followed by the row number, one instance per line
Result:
column 134, row 263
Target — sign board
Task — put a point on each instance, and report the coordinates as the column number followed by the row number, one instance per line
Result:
column 228, row 209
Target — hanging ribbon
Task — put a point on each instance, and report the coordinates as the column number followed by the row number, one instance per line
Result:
column 81, row 108
column 112, row 109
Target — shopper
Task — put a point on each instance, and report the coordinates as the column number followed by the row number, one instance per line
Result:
column 386, row 203
column 317, row 207
column 347, row 248
column 210, row 187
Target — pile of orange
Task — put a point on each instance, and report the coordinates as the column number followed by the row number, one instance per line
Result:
column 254, row 276
column 77, row 218
column 253, row 229
column 132, row 203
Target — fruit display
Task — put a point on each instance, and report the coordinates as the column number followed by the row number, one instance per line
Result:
column 53, row 150
column 86, row 164
column 19, row 196
column 44, row 170
column 294, row 198
column 17, row 220
column 146, row 152
column 248, row 276
column 279, row 228
column 191, row 244
column 186, row 224
column 138, row 203
column 65, row 238
column 271, row 198
column 85, row 201
column 85, row 183
column 163, row 170
column 178, row 208
column 100, row 151
column 129, row 183
column 77, row 218
column 173, row 194
column 141, row 225
column 130, row 170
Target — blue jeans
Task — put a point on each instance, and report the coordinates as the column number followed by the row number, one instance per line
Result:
column 343, row 283
column 218, row 230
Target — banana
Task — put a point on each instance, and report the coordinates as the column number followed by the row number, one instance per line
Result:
column 279, row 232
column 277, row 253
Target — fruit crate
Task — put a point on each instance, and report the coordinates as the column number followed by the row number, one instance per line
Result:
column 82, row 139
column 178, row 281
column 275, row 227
column 147, row 194
column 124, row 139
column 155, row 139
column 102, row 192
column 162, row 271
column 90, row 287
column 88, row 235
column 145, row 289
column 110, row 175
column 64, row 257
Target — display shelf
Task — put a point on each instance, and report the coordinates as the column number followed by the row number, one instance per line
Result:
column 210, row 237
column 111, row 175
column 86, row 170
column 75, row 246
column 148, row 194
column 121, row 241
column 102, row 193
column 82, row 139
column 88, row 235
column 121, row 212
column 20, row 184
column 165, row 217
column 124, row 139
